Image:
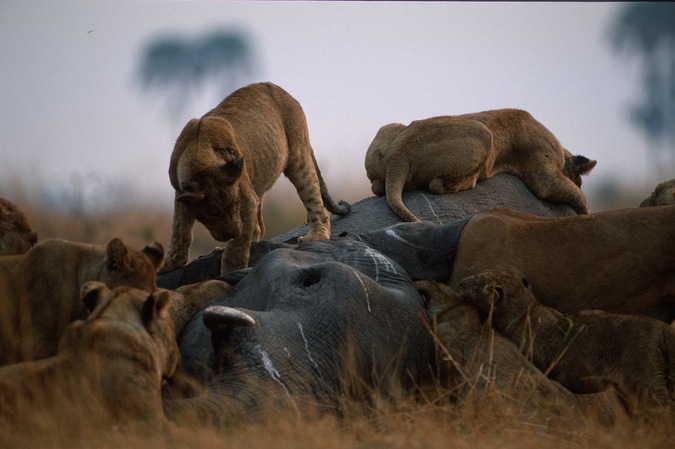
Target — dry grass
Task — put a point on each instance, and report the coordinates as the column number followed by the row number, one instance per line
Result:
column 433, row 419
column 480, row 420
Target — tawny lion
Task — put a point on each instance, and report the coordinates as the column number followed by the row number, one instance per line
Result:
column 223, row 163
column 108, row 370
column 448, row 154
column 588, row 351
column 40, row 290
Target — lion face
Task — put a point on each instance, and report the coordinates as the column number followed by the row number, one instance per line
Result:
column 135, row 307
column 490, row 289
column 16, row 235
column 209, row 174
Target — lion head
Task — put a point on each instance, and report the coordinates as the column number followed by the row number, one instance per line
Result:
column 663, row 195
column 208, row 174
column 490, row 288
column 137, row 308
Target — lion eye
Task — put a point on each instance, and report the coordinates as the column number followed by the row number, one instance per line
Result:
column 227, row 151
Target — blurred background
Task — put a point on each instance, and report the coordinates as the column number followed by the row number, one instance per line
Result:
column 94, row 93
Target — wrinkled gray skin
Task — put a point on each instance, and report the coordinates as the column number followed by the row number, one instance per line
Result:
column 310, row 305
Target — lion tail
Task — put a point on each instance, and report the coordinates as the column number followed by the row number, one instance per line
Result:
column 342, row 208
column 397, row 172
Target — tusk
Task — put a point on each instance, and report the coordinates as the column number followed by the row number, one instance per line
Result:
column 221, row 316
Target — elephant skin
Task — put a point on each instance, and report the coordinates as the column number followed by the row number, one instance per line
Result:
column 322, row 319
column 373, row 214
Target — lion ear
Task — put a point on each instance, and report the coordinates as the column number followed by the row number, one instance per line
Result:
column 232, row 170
column 92, row 292
column 581, row 165
column 116, row 255
column 155, row 305
column 155, row 252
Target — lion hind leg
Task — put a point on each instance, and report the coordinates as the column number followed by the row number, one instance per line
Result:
column 304, row 177
column 556, row 187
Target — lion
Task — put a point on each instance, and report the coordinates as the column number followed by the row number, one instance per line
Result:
column 16, row 235
column 223, row 163
column 621, row 261
column 586, row 352
column 663, row 195
column 448, row 154
column 477, row 360
column 40, row 289
column 108, row 370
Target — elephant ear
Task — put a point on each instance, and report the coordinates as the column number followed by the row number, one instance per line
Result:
column 219, row 317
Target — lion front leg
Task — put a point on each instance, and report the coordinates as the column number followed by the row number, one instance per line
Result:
column 557, row 187
column 181, row 238
column 236, row 252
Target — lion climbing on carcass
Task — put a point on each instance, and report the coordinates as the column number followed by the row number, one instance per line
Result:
column 223, row 163
column 448, row 154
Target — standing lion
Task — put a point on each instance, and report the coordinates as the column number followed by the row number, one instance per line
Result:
column 223, row 163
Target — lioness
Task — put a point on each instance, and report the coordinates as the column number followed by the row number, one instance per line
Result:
column 223, row 163
column 40, row 289
column 621, row 260
column 108, row 370
column 663, row 195
column 588, row 351
column 451, row 153
column 16, row 235
column 480, row 362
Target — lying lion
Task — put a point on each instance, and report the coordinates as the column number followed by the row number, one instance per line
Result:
column 663, row 195
column 108, row 370
column 479, row 361
column 40, row 289
column 620, row 261
column 16, row 235
column 586, row 352
column 452, row 153
column 223, row 163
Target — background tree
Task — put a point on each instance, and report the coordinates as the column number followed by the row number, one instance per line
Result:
column 183, row 67
column 646, row 31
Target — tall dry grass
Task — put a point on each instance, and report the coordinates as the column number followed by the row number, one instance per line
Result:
column 433, row 418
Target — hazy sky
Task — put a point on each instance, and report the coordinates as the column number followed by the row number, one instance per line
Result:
column 71, row 106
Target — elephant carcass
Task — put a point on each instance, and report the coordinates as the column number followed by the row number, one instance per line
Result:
column 320, row 320
column 373, row 214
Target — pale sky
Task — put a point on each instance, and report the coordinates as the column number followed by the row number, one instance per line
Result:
column 70, row 105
